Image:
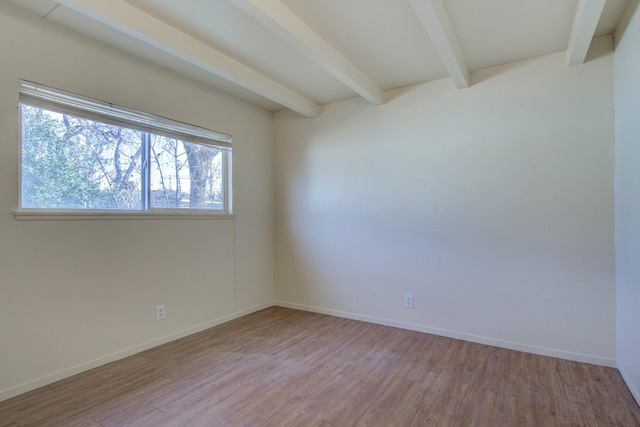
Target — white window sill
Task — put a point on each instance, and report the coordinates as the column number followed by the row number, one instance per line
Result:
column 68, row 215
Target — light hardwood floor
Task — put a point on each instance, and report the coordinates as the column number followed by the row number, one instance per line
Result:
column 282, row 367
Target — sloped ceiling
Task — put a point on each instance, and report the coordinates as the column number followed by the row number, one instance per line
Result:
column 300, row 54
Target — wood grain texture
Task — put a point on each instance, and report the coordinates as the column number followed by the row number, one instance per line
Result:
column 283, row 367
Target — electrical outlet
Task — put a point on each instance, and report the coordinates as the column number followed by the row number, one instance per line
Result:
column 408, row 301
column 160, row 312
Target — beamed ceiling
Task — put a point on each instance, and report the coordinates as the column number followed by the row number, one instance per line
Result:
column 301, row 54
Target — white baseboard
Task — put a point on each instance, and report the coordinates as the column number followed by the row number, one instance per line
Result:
column 68, row 372
column 632, row 387
column 543, row 351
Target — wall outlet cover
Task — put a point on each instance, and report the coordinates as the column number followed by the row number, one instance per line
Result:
column 408, row 301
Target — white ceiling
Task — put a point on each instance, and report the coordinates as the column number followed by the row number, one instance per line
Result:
column 301, row 54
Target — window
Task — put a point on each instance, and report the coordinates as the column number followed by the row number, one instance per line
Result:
column 82, row 154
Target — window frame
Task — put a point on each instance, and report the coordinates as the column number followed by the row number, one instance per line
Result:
column 48, row 98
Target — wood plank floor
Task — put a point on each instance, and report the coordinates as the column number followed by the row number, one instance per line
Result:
column 282, row 367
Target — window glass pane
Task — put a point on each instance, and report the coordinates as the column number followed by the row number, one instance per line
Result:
column 185, row 175
column 75, row 163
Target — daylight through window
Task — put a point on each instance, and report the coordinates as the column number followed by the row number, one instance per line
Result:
column 83, row 154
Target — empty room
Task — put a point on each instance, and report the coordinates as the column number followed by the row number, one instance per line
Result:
column 319, row 213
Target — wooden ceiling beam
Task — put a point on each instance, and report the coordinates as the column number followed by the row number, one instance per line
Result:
column 130, row 20
column 584, row 27
column 279, row 19
column 434, row 19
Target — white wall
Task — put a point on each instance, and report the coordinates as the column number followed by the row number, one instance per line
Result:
column 492, row 205
column 75, row 294
column 627, row 190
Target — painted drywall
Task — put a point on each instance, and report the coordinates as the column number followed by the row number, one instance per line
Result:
column 492, row 206
column 75, row 294
column 627, row 206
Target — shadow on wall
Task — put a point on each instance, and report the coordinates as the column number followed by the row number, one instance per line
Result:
column 600, row 48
